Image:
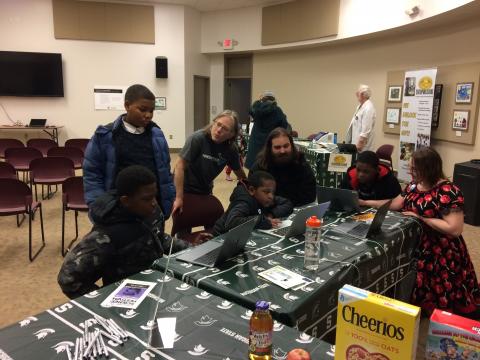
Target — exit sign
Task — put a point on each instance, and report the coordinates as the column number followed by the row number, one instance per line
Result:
column 227, row 44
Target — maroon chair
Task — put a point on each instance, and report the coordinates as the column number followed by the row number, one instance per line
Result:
column 385, row 152
column 42, row 144
column 16, row 199
column 198, row 210
column 21, row 158
column 77, row 143
column 50, row 171
column 74, row 154
column 7, row 171
column 9, row 143
column 72, row 199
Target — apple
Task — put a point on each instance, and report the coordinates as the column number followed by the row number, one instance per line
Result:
column 298, row 354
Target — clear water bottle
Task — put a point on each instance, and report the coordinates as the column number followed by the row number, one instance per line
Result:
column 312, row 243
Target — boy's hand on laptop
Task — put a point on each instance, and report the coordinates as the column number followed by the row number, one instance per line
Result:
column 275, row 222
column 201, row 238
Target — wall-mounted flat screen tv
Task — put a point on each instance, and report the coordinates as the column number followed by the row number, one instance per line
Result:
column 30, row 74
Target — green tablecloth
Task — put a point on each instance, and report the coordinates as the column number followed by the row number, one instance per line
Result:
column 207, row 328
column 384, row 265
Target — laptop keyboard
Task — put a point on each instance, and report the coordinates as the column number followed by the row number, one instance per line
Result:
column 282, row 231
column 359, row 230
column 210, row 257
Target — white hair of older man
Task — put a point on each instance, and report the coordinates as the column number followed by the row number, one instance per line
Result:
column 365, row 90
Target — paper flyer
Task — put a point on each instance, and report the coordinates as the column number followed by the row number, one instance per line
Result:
column 284, row 277
column 129, row 294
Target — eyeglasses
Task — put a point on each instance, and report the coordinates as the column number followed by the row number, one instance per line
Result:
column 222, row 127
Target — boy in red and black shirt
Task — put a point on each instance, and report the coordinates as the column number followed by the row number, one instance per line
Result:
column 374, row 182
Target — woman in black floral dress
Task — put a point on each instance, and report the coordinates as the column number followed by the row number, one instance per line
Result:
column 445, row 275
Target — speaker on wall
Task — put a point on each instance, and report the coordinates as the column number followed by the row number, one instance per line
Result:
column 161, row 67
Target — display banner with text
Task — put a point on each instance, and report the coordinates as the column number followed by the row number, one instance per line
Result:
column 415, row 126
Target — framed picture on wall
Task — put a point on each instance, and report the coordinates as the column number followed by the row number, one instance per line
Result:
column 393, row 115
column 464, row 93
column 160, row 103
column 460, row 119
column 395, row 93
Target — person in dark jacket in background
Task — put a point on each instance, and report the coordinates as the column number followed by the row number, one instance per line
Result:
column 293, row 175
column 132, row 139
column 374, row 182
column 127, row 235
column 254, row 198
column 266, row 115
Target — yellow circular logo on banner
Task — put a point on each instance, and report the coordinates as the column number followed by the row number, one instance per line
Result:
column 425, row 83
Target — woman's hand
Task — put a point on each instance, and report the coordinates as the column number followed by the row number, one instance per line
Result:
column 411, row 213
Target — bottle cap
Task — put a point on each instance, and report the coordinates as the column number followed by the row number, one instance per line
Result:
column 313, row 221
column 262, row 305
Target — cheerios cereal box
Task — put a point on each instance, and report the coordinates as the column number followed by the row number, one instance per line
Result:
column 452, row 337
column 374, row 327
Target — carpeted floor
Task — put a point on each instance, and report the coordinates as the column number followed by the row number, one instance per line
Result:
column 30, row 288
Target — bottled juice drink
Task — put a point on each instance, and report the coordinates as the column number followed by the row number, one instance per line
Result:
column 312, row 243
column 261, row 327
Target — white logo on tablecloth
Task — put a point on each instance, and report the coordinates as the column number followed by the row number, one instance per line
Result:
column 92, row 294
column 289, row 297
column 146, row 272
column 304, row 338
column 277, row 326
column 166, row 279
column 332, row 350
column 227, row 358
column 274, row 306
column 149, row 325
column 176, row 307
column 223, row 282
column 43, row 333
column 331, row 272
column 251, row 243
column 205, row 320
column 203, row 295
column 239, row 260
column 258, row 268
column 62, row 346
column 276, row 247
column 214, row 270
column 272, row 262
column 294, row 240
column 319, row 280
column 307, row 288
column 241, row 274
column 300, row 252
column 186, row 265
column 334, row 255
column 225, row 305
column 279, row 354
column 256, row 253
column 287, row 257
column 198, row 350
column 248, row 314
column 27, row 321
column 183, row 287
column 129, row 314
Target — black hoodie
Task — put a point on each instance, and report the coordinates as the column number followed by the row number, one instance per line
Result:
column 120, row 244
column 244, row 207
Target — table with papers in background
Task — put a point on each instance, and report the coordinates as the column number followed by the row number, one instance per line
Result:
column 207, row 327
column 384, row 264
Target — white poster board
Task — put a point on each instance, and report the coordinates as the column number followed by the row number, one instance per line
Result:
column 109, row 97
column 416, row 120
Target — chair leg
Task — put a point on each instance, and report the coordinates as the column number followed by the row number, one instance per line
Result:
column 64, row 252
column 30, row 256
column 19, row 223
column 36, row 194
column 63, row 230
column 76, row 224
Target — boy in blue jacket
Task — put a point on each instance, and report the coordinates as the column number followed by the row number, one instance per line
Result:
column 132, row 139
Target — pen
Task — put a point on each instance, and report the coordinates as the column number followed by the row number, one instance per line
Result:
column 123, row 332
column 98, row 345
column 105, row 350
column 111, row 337
column 90, row 344
column 69, row 354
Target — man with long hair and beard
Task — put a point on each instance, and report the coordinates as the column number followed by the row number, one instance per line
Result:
column 293, row 175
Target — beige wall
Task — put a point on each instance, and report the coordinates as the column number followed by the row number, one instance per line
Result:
column 316, row 87
column 27, row 25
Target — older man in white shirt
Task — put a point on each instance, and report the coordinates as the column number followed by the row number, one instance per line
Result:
column 361, row 129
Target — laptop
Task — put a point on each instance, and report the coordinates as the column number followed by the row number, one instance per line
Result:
column 341, row 199
column 216, row 251
column 296, row 226
column 37, row 122
column 363, row 230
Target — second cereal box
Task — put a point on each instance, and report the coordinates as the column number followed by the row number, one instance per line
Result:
column 372, row 326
